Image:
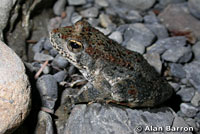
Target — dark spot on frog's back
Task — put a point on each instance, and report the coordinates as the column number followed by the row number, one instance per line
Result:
column 133, row 92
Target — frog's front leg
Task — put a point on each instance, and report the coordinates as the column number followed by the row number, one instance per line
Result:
column 140, row 93
column 90, row 93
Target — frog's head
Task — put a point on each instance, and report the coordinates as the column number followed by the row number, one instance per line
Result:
column 77, row 43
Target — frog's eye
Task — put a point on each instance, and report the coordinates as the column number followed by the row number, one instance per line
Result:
column 74, row 46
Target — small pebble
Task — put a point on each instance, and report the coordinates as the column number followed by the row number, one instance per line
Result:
column 37, row 48
column 194, row 8
column 193, row 73
column 102, row 3
column 48, row 89
column 42, row 57
column 175, row 53
column 53, row 52
column 75, row 17
column 116, row 36
column 44, row 124
column 140, row 4
column 186, row 93
column 188, row 109
column 47, row 44
column 105, row 20
column 154, row 60
column 135, row 46
column 90, row 12
column 150, row 18
column 103, row 30
column 196, row 99
column 196, row 51
column 59, row 7
column 67, row 20
column 175, row 86
column 76, row 2
column 133, row 16
column 140, row 34
column 54, row 23
column 72, row 69
column 159, row 30
column 30, row 67
column 60, row 76
column 177, row 70
column 163, row 44
column 59, row 62
column 46, row 70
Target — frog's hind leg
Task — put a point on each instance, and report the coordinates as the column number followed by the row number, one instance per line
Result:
column 140, row 93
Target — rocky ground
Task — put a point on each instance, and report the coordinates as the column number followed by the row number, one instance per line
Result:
column 165, row 32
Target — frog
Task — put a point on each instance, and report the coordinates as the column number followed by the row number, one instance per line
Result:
column 114, row 73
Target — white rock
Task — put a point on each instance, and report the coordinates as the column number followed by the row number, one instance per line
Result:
column 14, row 90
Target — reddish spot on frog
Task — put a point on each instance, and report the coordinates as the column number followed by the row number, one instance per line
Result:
column 114, row 73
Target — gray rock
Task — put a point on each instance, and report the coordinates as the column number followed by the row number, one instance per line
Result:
column 179, row 122
column 54, row 23
column 196, row 99
column 186, row 82
column 177, row 70
column 123, row 28
column 44, row 124
column 102, row 3
column 101, row 119
column 175, row 86
column 135, row 46
column 164, row 3
column 42, row 57
column 60, row 76
column 196, row 51
column 154, row 60
column 105, row 20
column 76, row 2
column 186, row 93
column 59, row 7
column 53, row 52
column 103, row 30
column 67, row 20
column 15, row 90
column 140, row 34
column 194, row 8
column 90, row 12
column 116, row 36
column 46, row 70
column 72, row 69
column 139, row 4
column 59, row 62
column 161, row 45
column 30, row 67
column 47, row 44
column 159, row 30
column 37, row 48
column 75, row 17
column 93, row 21
column 197, row 118
column 133, row 16
column 5, row 8
column 188, row 109
column 175, row 54
column 181, row 20
column 48, row 89
column 187, row 55
column 193, row 73
column 192, row 123
column 151, row 18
